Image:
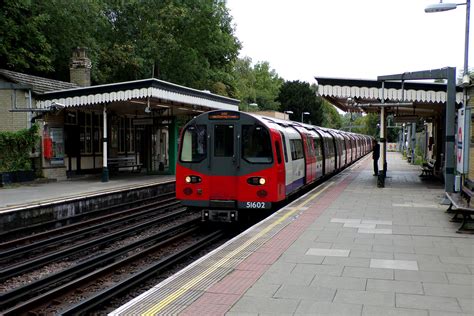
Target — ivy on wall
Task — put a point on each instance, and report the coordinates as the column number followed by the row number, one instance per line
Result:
column 15, row 149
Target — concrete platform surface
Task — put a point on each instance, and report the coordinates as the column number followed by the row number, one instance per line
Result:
column 18, row 195
column 349, row 249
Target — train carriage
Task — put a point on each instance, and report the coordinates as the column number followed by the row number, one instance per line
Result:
column 233, row 162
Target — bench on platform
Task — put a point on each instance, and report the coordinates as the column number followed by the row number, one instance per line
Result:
column 128, row 162
column 462, row 206
column 427, row 168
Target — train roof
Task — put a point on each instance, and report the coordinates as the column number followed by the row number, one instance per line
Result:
column 267, row 120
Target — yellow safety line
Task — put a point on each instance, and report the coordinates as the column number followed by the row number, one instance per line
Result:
column 175, row 295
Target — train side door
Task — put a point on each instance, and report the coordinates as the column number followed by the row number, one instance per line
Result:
column 224, row 161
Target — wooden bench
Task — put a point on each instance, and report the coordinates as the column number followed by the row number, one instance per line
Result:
column 462, row 206
column 427, row 168
column 117, row 163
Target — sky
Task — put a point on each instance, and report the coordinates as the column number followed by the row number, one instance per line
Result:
column 359, row 39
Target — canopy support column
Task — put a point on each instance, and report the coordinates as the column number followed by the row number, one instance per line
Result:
column 105, row 170
column 173, row 145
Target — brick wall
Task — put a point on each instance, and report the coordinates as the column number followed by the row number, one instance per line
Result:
column 13, row 121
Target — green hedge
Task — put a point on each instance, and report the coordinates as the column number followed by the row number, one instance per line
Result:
column 15, row 149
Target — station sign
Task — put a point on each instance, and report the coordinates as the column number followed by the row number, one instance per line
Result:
column 462, row 140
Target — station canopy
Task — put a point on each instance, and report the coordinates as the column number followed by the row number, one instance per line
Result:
column 138, row 97
column 407, row 100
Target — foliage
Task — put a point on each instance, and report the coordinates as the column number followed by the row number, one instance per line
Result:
column 299, row 97
column 331, row 117
column 188, row 42
column 256, row 84
column 15, row 148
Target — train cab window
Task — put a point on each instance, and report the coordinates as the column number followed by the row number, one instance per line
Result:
column 256, row 144
column 194, row 146
column 224, row 140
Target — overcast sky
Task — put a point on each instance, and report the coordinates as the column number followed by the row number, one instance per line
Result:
column 302, row 39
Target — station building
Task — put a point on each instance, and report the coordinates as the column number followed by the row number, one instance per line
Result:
column 136, row 122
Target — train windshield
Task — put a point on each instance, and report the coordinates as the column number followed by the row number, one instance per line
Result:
column 256, row 144
column 194, row 147
column 224, row 140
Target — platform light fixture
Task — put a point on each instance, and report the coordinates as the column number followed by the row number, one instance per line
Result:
column 441, row 7
column 288, row 114
column 303, row 114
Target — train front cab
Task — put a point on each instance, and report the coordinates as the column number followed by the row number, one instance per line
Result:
column 228, row 162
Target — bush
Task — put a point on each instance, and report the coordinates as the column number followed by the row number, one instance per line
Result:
column 15, row 149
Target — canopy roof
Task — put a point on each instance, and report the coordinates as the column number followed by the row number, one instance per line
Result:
column 156, row 93
column 402, row 99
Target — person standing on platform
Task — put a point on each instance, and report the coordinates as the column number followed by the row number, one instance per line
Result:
column 375, row 157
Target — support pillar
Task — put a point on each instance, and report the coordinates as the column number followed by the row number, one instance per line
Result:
column 173, row 146
column 403, row 139
column 450, row 166
column 383, row 154
column 105, row 170
column 413, row 142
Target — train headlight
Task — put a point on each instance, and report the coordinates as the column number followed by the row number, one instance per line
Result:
column 256, row 181
column 193, row 179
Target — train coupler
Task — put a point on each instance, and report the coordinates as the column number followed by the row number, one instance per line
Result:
column 227, row 216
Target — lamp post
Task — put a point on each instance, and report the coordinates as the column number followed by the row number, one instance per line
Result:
column 441, row 7
column 303, row 114
column 288, row 112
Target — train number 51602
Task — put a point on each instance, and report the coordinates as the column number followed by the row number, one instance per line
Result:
column 255, row 205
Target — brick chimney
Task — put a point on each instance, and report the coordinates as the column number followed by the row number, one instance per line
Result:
column 80, row 67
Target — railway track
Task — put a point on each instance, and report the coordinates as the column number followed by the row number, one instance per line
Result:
column 33, row 241
column 91, row 262
column 51, row 288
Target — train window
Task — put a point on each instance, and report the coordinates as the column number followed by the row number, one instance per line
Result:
column 194, row 144
column 285, row 150
column 317, row 147
column 278, row 151
column 256, row 144
column 224, row 140
column 296, row 149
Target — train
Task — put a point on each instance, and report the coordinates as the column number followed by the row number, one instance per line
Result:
column 232, row 164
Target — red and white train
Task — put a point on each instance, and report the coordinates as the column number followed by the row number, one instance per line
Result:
column 235, row 162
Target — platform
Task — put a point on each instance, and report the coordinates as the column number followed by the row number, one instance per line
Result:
column 346, row 248
column 37, row 193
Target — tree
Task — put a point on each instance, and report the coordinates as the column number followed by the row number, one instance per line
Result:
column 256, row 84
column 331, row 117
column 267, row 86
column 188, row 42
column 298, row 97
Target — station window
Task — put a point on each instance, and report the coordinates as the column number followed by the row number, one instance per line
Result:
column 121, row 135
column 224, row 140
column 194, row 144
column 256, row 144
column 97, row 128
column 85, row 123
